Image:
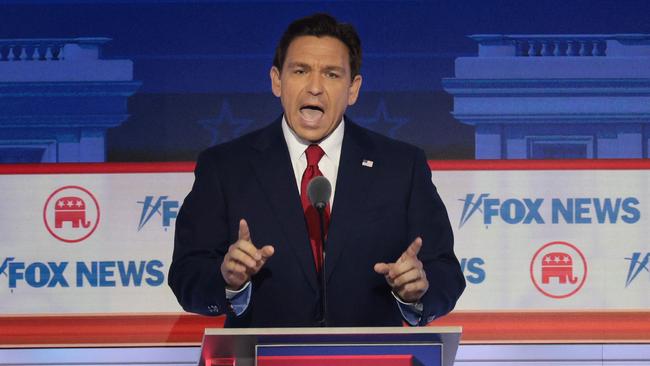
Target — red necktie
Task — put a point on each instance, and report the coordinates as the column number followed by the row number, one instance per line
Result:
column 314, row 154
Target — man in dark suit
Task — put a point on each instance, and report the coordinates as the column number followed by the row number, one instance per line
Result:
column 247, row 242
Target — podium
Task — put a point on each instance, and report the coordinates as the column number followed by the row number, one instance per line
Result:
column 394, row 346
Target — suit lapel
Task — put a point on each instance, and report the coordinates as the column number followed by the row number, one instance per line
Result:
column 352, row 185
column 274, row 172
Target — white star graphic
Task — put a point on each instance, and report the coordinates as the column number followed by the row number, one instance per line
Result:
column 566, row 259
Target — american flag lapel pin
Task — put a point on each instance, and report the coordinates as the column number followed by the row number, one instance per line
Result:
column 367, row 163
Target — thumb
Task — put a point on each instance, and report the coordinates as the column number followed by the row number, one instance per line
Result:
column 266, row 252
column 382, row 268
column 244, row 232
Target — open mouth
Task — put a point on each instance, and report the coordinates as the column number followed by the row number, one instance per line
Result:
column 311, row 112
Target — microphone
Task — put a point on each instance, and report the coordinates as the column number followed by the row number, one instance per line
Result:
column 319, row 191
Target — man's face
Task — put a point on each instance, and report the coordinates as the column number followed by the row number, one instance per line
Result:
column 315, row 86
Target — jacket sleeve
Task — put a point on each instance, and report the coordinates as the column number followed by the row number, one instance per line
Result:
column 428, row 219
column 200, row 243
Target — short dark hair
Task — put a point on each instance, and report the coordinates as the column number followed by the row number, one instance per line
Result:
column 321, row 25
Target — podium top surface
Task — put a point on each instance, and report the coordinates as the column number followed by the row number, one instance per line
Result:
column 330, row 331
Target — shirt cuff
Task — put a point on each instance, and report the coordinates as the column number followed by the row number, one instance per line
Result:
column 239, row 299
column 411, row 311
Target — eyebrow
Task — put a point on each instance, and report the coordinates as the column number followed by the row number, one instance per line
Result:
column 306, row 66
column 298, row 64
column 335, row 68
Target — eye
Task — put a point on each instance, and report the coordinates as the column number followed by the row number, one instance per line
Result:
column 299, row 71
column 332, row 75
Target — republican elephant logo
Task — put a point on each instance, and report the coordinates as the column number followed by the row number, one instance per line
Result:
column 558, row 269
column 70, row 209
column 71, row 214
column 558, row 265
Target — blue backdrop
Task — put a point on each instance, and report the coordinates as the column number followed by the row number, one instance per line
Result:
column 200, row 68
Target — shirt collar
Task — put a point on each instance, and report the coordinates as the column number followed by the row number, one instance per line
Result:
column 331, row 145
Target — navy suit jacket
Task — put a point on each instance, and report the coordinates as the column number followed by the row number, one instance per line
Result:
column 377, row 212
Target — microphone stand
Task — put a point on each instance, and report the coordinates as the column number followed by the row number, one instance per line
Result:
column 320, row 207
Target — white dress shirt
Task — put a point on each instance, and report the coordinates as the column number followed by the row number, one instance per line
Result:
column 328, row 164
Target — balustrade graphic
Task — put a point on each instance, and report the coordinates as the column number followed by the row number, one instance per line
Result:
column 550, row 96
column 33, row 52
column 60, row 97
column 45, row 49
column 561, row 45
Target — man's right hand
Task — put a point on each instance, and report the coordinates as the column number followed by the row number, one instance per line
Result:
column 243, row 259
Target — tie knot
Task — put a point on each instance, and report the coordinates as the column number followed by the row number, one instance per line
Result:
column 314, row 154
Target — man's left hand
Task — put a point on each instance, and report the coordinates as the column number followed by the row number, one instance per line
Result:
column 406, row 276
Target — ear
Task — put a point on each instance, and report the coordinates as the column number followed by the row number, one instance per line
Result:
column 353, row 90
column 276, row 84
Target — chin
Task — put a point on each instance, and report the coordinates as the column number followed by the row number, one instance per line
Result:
column 308, row 133
column 313, row 138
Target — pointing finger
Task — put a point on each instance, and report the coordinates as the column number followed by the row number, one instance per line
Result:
column 244, row 232
column 413, row 249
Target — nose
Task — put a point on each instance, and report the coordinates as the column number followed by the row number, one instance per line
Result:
column 315, row 84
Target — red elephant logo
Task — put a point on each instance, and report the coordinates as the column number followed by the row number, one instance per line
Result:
column 558, row 269
column 558, row 265
column 70, row 209
column 71, row 214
